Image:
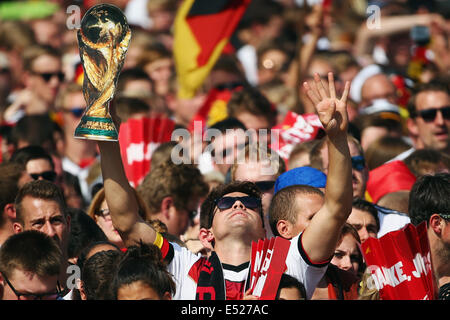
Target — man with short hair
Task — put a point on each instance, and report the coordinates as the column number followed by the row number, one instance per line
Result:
column 235, row 218
column 12, row 177
column 364, row 217
column 40, row 206
column 429, row 201
column 30, row 263
column 43, row 77
column 38, row 163
column 292, row 211
column 429, row 122
column 172, row 193
column 293, row 208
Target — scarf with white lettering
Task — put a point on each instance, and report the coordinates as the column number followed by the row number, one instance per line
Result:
column 210, row 279
column 211, row 283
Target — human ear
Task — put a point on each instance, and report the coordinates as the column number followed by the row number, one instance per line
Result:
column 17, row 227
column 166, row 204
column 436, row 224
column 206, row 237
column 412, row 127
column 284, row 229
column 10, row 211
column 26, row 78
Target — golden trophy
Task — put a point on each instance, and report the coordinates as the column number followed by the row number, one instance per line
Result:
column 103, row 40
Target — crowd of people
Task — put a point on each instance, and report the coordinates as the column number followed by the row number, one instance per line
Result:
column 377, row 82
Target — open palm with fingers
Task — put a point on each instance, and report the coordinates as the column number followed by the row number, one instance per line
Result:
column 332, row 111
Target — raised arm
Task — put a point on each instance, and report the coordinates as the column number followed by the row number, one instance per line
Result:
column 120, row 197
column 320, row 238
column 367, row 34
column 300, row 65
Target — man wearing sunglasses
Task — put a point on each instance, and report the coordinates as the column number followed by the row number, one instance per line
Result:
column 38, row 163
column 42, row 78
column 236, row 218
column 429, row 122
column 29, row 267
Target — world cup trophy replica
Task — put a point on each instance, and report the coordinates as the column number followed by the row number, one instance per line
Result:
column 103, row 40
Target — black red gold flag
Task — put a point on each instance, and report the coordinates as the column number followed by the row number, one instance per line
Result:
column 202, row 30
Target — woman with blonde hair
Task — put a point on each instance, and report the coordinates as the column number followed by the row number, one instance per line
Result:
column 99, row 211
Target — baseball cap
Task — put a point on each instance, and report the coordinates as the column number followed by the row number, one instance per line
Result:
column 380, row 106
column 301, row 175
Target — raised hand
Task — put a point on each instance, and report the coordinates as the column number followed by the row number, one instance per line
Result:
column 332, row 112
column 249, row 296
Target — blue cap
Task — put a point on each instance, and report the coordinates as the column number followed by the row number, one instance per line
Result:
column 302, row 175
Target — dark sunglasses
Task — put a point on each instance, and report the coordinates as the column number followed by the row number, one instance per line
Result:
column 445, row 216
column 358, row 163
column 76, row 112
column 264, row 186
column 47, row 76
column 32, row 296
column 227, row 202
column 429, row 115
column 47, row 175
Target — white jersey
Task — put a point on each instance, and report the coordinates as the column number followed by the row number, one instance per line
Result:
column 185, row 265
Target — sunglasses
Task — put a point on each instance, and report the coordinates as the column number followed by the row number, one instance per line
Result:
column 445, row 216
column 54, row 295
column 358, row 163
column 265, row 186
column 47, row 175
column 429, row 115
column 76, row 112
column 225, row 203
column 47, row 76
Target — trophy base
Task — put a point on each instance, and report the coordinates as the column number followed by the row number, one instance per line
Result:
column 95, row 128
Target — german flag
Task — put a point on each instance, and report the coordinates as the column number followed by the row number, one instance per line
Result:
column 202, row 30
